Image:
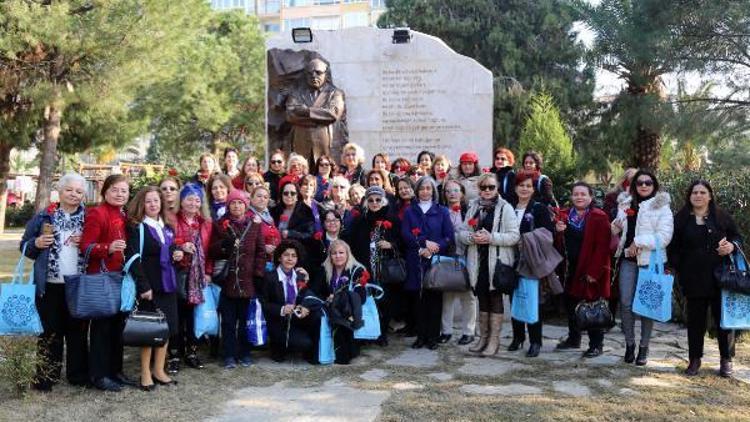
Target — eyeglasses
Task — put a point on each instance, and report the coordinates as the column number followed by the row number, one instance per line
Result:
column 454, row 190
column 487, row 188
column 276, row 161
column 373, row 200
column 168, row 189
column 290, row 193
column 644, row 183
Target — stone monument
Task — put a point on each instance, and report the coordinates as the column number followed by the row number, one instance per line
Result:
column 398, row 98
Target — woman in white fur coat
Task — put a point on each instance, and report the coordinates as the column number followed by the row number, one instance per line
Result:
column 645, row 223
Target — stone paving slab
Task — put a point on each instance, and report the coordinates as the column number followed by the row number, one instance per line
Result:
column 490, row 367
column 281, row 402
column 501, row 390
column 571, row 388
column 415, row 358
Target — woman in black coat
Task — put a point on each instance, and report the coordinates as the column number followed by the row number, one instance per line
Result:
column 292, row 327
column 339, row 274
column 703, row 236
column 374, row 237
column 293, row 218
column 156, row 282
column 532, row 215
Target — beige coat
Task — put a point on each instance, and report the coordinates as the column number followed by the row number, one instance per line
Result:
column 505, row 236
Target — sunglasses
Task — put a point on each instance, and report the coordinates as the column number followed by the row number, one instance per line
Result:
column 276, row 161
column 487, row 188
column 644, row 183
column 373, row 200
column 290, row 193
column 169, row 189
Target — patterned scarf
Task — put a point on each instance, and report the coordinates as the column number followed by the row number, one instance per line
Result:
column 577, row 222
column 196, row 277
column 75, row 224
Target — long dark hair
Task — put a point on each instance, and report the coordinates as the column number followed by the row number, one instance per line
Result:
column 634, row 187
column 716, row 216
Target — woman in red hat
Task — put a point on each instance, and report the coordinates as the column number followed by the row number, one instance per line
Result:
column 467, row 173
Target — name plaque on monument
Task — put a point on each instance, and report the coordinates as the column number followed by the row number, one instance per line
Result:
column 398, row 98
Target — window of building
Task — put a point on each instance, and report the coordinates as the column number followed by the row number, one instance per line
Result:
column 326, row 22
column 377, row 4
column 297, row 3
column 324, row 2
column 270, row 6
column 296, row 23
column 355, row 19
column 272, row 27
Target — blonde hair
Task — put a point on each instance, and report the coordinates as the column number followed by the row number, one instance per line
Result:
column 486, row 176
column 351, row 262
column 357, row 149
column 302, row 161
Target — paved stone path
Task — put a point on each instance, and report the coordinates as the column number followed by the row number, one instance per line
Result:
column 357, row 392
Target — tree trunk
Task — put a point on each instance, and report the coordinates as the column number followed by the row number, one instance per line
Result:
column 4, row 170
column 647, row 150
column 52, row 118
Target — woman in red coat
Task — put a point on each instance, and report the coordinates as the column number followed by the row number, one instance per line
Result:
column 104, row 234
column 192, row 236
column 587, row 234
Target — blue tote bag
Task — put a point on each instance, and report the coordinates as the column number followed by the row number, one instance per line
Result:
column 326, row 351
column 257, row 333
column 18, row 314
column 206, row 315
column 127, row 293
column 653, row 292
column 370, row 316
column 735, row 307
column 525, row 304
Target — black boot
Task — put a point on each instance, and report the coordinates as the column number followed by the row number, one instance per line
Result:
column 726, row 370
column 569, row 343
column 533, row 350
column 630, row 353
column 515, row 344
column 642, row 358
column 694, row 367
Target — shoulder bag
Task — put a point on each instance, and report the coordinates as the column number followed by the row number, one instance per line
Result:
column 392, row 270
column 93, row 296
column 447, row 274
column 504, row 279
column 594, row 315
column 730, row 276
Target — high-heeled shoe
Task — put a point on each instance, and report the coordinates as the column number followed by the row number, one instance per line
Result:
column 160, row 382
column 418, row 344
column 515, row 345
column 533, row 350
column 149, row 387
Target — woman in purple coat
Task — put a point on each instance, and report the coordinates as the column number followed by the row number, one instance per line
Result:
column 427, row 230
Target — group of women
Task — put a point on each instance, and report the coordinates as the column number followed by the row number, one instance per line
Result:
column 302, row 235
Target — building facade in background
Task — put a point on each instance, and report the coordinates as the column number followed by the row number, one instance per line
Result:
column 283, row 15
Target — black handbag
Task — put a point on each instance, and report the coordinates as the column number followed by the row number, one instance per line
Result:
column 93, row 296
column 392, row 270
column 594, row 315
column 145, row 329
column 447, row 274
column 505, row 279
column 730, row 277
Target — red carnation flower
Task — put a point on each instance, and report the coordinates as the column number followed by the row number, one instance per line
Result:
column 365, row 278
column 416, row 231
column 355, row 213
column 473, row 222
column 318, row 235
column 52, row 208
column 387, row 224
column 456, row 208
column 630, row 212
column 324, row 180
column 326, row 193
column 284, row 218
column 172, row 172
column 225, row 224
column 485, row 169
column 301, row 285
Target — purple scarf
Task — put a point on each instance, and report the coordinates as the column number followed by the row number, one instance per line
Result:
column 168, row 279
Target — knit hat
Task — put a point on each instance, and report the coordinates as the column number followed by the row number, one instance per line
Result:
column 238, row 195
column 191, row 189
column 374, row 190
column 469, row 156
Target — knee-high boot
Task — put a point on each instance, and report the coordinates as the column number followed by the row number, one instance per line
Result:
column 483, row 322
column 493, row 342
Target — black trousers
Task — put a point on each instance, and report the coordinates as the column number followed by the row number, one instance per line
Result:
column 429, row 312
column 303, row 336
column 105, row 347
column 61, row 331
column 596, row 337
column 184, row 342
column 697, row 322
column 535, row 329
column 234, row 326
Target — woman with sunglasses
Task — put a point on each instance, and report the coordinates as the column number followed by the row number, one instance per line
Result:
column 399, row 167
column 170, row 189
column 252, row 181
column 490, row 234
column 293, row 218
column 375, row 237
column 645, row 224
column 323, row 171
column 502, row 167
column 276, row 170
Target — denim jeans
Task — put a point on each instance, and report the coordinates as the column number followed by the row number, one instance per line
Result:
column 628, row 283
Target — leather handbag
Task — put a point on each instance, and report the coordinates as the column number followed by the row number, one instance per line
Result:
column 145, row 329
column 447, row 274
column 505, row 279
column 392, row 270
column 594, row 315
column 93, row 296
column 730, row 276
